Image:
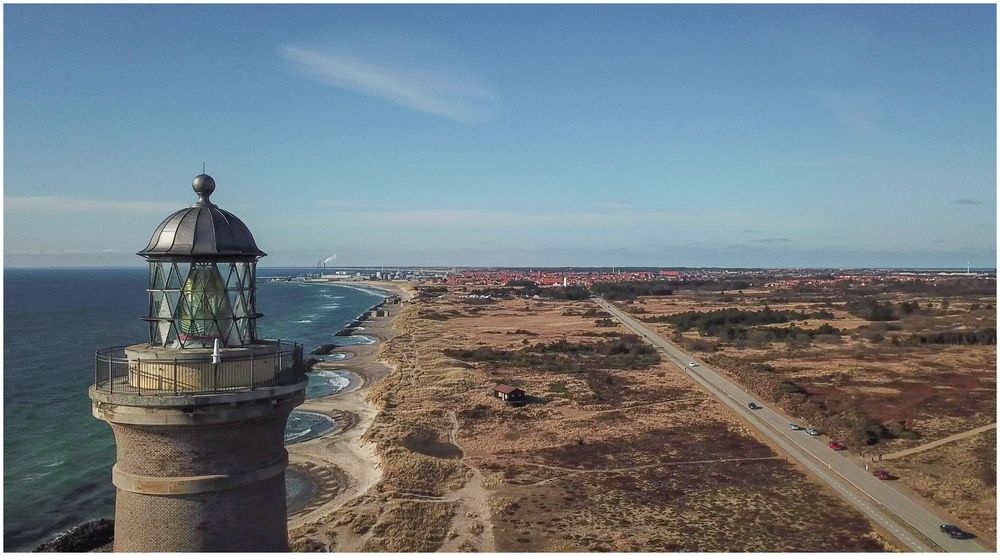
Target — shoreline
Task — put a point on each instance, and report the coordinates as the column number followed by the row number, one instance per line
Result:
column 342, row 465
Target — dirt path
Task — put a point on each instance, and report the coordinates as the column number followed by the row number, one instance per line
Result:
column 472, row 527
column 936, row 443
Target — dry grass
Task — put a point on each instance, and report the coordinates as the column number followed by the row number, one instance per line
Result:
column 960, row 477
column 601, row 460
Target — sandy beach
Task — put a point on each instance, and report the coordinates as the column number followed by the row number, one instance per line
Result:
column 344, row 466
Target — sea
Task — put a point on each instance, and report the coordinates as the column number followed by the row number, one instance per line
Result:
column 57, row 457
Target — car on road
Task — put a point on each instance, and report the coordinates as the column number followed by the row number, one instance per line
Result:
column 882, row 475
column 752, row 405
column 812, row 432
column 834, row 445
column 955, row 532
column 794, row 427
column 692, row 364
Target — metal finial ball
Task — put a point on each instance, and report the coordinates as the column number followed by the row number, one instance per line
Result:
column 203, row 185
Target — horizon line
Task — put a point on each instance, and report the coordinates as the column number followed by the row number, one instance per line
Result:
column 532, row 267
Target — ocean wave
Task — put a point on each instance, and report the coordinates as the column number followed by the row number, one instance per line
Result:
column 335, row 379
column 359, row 339
column 303, row 321
column 371, row 290
column 305, row 425
column 56, row 463
column 299, row 434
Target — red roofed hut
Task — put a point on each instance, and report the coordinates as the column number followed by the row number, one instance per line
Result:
column 508, row 393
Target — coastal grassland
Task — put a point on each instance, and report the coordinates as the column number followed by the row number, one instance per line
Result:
column 874, row 385
column 608, row 453
column 740, row 506
column 959, row 477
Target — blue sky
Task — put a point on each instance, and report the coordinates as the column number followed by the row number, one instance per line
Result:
column 508, row 135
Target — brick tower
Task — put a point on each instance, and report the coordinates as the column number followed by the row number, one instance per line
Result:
column 199, row 411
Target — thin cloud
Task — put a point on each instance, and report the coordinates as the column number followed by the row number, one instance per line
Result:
column 336, row 204
column 613, row 206
column 433, row 91
column 71, row 205
column 771, row 240
column 966, row 202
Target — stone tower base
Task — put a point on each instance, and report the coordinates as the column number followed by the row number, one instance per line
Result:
column 200, row 473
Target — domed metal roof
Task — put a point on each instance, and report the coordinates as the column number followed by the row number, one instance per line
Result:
column 202, row 230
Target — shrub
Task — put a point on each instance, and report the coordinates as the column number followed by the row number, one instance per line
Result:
column 870, row 309
column 624, row 353
column 796, row 341
column 694, row 344
column 631, row 290
column 731, row 323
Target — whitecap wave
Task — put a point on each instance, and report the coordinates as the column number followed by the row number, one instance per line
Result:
column 298, row 434
column 371, row 290
column 359, row 339
column 305, row 425
column 336, row 379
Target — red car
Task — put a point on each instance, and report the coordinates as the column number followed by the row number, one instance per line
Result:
column 882, row 475
column 833, row 445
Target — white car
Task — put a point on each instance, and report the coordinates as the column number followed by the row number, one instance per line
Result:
column 692, row 364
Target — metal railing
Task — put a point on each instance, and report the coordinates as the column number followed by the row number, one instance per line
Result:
column 116, row 373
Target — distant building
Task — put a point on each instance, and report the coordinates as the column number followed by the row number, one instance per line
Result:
column 508, row 393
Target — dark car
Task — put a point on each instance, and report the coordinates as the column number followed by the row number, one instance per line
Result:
column 834, row 445
column 752, row 405
column 955, row 532
column 883, row 475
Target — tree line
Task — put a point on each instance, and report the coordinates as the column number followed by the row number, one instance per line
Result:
column 619, row 291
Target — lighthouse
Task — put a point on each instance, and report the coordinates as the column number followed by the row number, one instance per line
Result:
column 199, row 409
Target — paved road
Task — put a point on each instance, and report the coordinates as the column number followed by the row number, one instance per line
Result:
column 881, row 501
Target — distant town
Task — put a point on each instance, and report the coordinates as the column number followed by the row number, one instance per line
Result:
column 743, row 278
